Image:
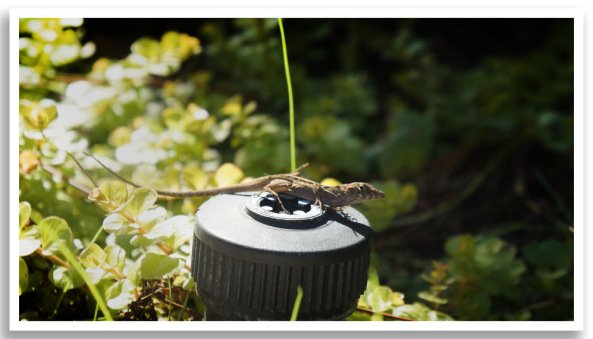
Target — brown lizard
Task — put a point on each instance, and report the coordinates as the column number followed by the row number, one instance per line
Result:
column 290, row 183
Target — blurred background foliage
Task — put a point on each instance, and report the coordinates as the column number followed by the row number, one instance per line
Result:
column 466, row 124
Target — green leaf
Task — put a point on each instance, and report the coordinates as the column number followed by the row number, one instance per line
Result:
column 185, row 280
column 115, row 223
column 28, row 240
column 134, row 271
column 146, row 47
column 54, row 230
column 439, row 316
column 23, row 276
column 28, row 245
column 463, row 246
column 379, row 298
column 397, row 298
column 432, row 298
column 228, row 174
column 96, row 274
column 24, row 213
column 93, row 256
column 182, row 227
column 37, row 116
column 65, row 278
column 120, row 294
column 142, row 199
column 160, row 232
column 551, row 254
column 418, row 311
column 115, row 191
column 115, row 257
column 157, row 266
column 551, row 275
column 148, row 219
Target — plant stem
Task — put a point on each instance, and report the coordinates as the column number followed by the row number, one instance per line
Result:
column 180, row 316
column 53, row 258
column 96, row 311
column 297, row 304
column 386, row 315
column 96, row 236
column 290, row 99
column 171, row 299
column 71, row 258
column 60, row 301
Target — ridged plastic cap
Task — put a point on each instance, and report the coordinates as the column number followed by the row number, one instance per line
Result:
column 248, row 258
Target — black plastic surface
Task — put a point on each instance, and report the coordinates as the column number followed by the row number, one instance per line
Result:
column 248, row 262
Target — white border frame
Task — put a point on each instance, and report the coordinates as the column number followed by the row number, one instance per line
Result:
column 352, row 12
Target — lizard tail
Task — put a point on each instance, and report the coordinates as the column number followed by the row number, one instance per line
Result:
column 188, row 194
column 114, row 173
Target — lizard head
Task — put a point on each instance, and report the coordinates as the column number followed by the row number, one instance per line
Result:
column 367, row 191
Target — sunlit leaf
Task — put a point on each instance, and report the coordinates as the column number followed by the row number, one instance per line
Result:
column 54, row 230
column 157, row 266
column 115, row 191
column 93, row 256
column 379, row 298
column 142, row 199
column 65, row 278
column 195, row 177
column 37, row 116
column 115, row 257
column 432, row 298
column 330, row 182
column 182, row 227
column 116, row 223
column 24, row 213
column 28, row 161
column 120, row 294
column 228, row 174
column 29, row 240
column 151, row 217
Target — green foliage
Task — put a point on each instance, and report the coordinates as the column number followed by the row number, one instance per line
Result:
column 480, row 273
column 178, row 115
column 482, row 268
column 383, row 302
column 399, row 199
column 439, row 282
column 157, row 266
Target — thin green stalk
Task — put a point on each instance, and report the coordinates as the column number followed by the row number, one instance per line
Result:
column 290, row 99
column 180, row 316
column 297, row 304
column 80, row 270
column 96, row 311
column 170, row 298
column 96, row 236
column 60, row 301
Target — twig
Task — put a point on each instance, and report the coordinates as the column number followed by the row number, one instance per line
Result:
column 72, row 182
column 88, row 175
column 84, row 188
column 53, row 258
column 395, row 317
column 114, row 173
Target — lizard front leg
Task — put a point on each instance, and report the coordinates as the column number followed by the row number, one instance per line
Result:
column 278, row 186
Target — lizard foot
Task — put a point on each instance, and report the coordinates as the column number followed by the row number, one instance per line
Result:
column 271, row 191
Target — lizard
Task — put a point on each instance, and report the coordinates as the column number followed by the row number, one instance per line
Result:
column 293, row 184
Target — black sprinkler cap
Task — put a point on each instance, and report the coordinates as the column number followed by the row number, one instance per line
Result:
column 249, row 257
